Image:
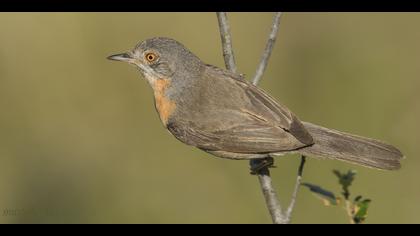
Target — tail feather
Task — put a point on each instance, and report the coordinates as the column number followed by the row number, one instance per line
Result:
column 351, row 148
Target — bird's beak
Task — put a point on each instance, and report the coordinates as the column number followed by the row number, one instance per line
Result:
column 121, row 57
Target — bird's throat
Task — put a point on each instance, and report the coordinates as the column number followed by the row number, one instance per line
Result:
column 164, row 105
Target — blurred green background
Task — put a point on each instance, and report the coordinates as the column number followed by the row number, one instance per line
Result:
column 80, row 141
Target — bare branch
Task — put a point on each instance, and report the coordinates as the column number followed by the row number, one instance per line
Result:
column 270, row 196
column 268, row 49
column 259, row 166
column 226, row 41
column 271, row 199
column 350, row 212
column 288, row 215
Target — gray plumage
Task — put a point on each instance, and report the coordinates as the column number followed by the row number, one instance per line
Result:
column 225, row 115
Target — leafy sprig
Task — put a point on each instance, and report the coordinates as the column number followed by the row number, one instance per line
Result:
column 357, row 209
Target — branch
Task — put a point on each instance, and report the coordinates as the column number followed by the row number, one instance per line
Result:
column 263, row 173
column 260, row 166
column 350, row 212
column 268, row 49
column 226, row 41
column 288, row 216
column 270, row 196
column 271, row 199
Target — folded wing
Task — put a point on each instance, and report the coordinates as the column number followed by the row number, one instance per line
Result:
column 248, row 120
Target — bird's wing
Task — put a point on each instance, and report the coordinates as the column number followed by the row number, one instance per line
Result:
column 239, row 139
column 245, row 119
column 273, row 113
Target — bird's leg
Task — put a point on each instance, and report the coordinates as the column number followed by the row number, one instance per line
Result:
column 258, row 164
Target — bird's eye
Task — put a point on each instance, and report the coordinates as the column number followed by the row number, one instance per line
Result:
column 151, row 57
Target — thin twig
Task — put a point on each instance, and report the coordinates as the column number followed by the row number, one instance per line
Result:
column 226, row 41
column 272, row 202
column 288, row 216
column 268, row 49
column 271, row 199
column 270, row 196
column 349, row 211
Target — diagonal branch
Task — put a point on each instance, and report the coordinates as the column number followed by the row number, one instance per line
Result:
column 270, row 196
column 268, row 49
column 259, row 166
column 226, row 41
column 288, row 216
column 267, row 188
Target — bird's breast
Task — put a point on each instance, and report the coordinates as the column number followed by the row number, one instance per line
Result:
column 164, row 105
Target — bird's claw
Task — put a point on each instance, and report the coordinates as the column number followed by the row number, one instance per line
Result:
column 259, row 164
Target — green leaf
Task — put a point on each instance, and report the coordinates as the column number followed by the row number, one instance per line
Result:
column 361, row 211
column 345, row 180
column 327, row 197
column 357, row 199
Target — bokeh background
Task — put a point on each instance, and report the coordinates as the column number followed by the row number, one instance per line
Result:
column 80, row 141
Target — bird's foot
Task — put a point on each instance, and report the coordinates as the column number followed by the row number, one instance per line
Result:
column 258, row 165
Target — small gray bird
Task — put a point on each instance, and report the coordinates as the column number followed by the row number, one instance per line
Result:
column 223, row 114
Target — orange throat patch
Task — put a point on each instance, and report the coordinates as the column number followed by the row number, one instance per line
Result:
column 164, row 106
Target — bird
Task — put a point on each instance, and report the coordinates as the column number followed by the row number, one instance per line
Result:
column 222, row 113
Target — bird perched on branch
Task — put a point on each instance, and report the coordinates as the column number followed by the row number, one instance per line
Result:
column 223, row 114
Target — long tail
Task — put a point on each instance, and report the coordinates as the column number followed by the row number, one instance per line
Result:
column 351, row 148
